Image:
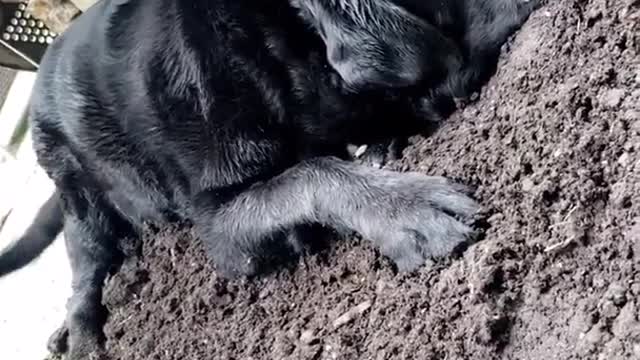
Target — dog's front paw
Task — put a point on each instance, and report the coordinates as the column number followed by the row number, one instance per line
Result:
column 377, row 155
column 234, row 262
column 426, row 217
column 257, row 257
column 58, row 341
column 82, row 345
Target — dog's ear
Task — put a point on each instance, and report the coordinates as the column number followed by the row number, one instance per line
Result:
column 375, row 43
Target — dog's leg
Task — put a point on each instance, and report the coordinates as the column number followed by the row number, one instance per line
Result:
column 91, row 235
column 310, row 238
column 409, row 216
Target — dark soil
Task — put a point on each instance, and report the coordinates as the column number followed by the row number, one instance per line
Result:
column 553, row 147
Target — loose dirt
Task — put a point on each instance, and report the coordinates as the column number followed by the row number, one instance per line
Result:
column 553, row 147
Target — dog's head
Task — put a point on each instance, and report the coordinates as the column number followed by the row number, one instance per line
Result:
column 377, row 43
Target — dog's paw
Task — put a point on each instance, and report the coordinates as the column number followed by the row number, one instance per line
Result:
column 425, row 217
column 271, row 253
column 235, row 262
column 250, row 258
column 85, row 346
column 58, row 341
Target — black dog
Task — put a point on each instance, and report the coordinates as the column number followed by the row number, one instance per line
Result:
column 436, row 52
column 229, row 113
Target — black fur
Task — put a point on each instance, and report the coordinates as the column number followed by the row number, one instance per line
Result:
column 434, row 53
column 229, row 113
column 449, row 47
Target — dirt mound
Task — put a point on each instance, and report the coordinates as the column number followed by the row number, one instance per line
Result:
column 553, row 147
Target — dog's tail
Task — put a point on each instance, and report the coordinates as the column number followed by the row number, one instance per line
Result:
column 41, row 233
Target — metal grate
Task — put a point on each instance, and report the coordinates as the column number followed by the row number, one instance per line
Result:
column 23, row 27
column 24, row 38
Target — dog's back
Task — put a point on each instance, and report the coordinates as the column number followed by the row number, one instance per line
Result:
column 152, row 110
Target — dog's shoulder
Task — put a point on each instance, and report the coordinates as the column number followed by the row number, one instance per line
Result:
column 197, row 82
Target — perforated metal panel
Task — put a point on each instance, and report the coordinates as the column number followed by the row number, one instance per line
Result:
column 24, row 38
column 23, row 27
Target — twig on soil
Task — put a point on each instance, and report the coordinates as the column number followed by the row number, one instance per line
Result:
column 172, row 252
column 351, row 314
column 565, row 220
column 126, row 320
column 560, row 246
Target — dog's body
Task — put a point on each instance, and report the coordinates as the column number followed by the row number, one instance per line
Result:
column 226, row 113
